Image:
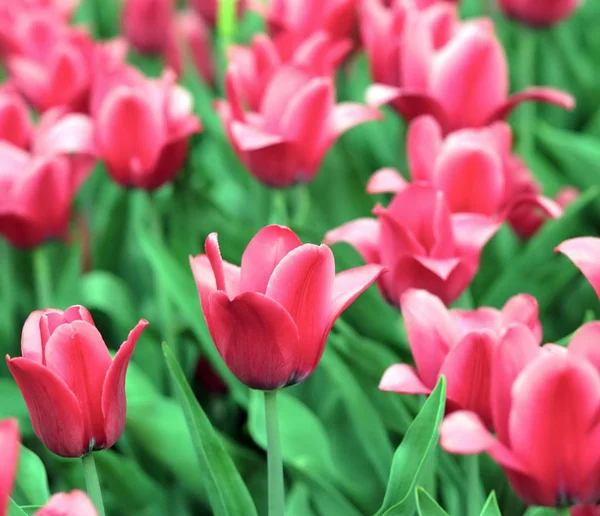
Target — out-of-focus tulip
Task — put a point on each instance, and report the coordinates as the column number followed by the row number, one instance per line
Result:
column 209, row 9
column 532, row 12
column 458, row 344
column 425, row 61
column 584, row 252
column 74, row 390
column 142, row 126
column 477, row 172
column 15, row 122
column 9, row 458
column 75, row 503
column 545, row 405
column 585, row 510
column 37, row 188
column 270, row 317
column 147, row 24
column 421, row 242
column 284, row 142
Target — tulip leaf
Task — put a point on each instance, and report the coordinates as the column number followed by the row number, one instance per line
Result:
column 541, row 511
column 14, row 509
column 412, row 455
column 31, row 485
column 227, row 493
column 490, row 507
column 426, row 505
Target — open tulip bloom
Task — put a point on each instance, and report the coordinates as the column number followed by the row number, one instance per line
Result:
column 9, row 459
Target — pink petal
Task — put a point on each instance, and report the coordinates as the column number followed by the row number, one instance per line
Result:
column 441, row 267
column 362, row 234
column 257, row 339
column 471, row 232
column 386, row 180
column 71, row 134
column 424, row 142
column 395, row 240
column 584, row 252
column 403, row 379
column 535, row 94
column 53, row 408
column 347, row 115
column 251, row 138
column 9, row 458
column 213, row 252
column 381, row 94
column 524, row 309
column 264, row 252
column 586, row 343
column 205, row 277
column 483, row 318
column 31, row 340
column 75, row 503
column 114, row 404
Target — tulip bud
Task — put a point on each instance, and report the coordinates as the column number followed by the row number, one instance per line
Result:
column 9, row 458
column 74, row 390
column 270, row 317
column 75, row 503
column 147, row 23
column 539, row 14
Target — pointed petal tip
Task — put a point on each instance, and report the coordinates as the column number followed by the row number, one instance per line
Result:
column 402, row 379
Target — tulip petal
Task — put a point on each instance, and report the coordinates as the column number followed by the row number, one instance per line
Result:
column 424, row 142
column 584, row 252
column 9, row 458
column 264, row 252
column 403, row 379
column 205, row 277
column 257, row 338
column 535, row 94
column 54, row 410
column 114, row 403
column 378, row 95
column 31, row 341
column 251, row 138
column 75, row 503
column 524, row 309
column 222, row 280
column 586, row 343
column 70, row 134
column 441, row 267
column 472, row 232
column 347, row 115
column 362, row 234
column 386, row 180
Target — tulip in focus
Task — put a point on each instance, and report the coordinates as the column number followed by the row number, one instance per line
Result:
column 15, row 121
column 147, row 24
column 425, row 61
column 270, row 317
column 532, row 12
column 9, row 459
column 74, row 390
column 458, row 344
column 423, row 245
column 545, row 406
column 75, row 503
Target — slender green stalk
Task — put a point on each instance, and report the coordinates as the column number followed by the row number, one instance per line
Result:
column 92, row 482
column 43, row 281
column 527, row 112
column 274, row 462
column 226, row 21
column 7, row 273
column 475, row 496
column 279, row 209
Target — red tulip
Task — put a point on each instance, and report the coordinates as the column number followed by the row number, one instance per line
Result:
column 477, row 172
column 142, row 126
column 9, row 458
column 531, row 12
column 75, row 503
column 585, row 510
column 74, row 390
column 545, row 404
column 458, row 344
column 421, row 243
column 15, row 122
column 147, row 24
column 428, row 62
column 37, row 188
column 270, row 317
column 209, row 9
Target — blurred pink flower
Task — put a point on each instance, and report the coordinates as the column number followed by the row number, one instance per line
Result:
column 532, row 12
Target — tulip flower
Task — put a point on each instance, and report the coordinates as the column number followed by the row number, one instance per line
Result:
column 75, row 503
column 37, row 188
column 285, row 141
column 584, row 252
column 270, row 317
column 74, row 390
column 427, row 62
column 9, row 458
column 545, row 405
column 147, row 24
column 458, row 344
column 477, row 172
column 531, row 12
column 15, row 122
column 142, row 126
column 585, row 510
column 422, row 244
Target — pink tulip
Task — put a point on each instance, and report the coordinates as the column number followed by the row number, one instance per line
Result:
column 425, row 61
column 584, row 252
column 270, row 317
column 458, row 344
column 9, row 458
column 75, row 503
column 209, row 9
column 147, row 24
column 37, row 188
column 422, row 244
column 15, row 122
column 545, row 405
column 142, row 126
column 477, row 172
column 531, row 12
column 74, row 390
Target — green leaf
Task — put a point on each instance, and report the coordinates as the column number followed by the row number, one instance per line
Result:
column 541, row 511
column 31, row 486
column 14, row 509
column 412, row 455
column 427, row 506
column 227, row 492
column 490, row 507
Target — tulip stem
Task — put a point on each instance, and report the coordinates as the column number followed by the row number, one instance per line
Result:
column 43, row 283
column 475, row 496
column 92, row 481
column 528, row 111
column 274, row 461
column 279, row 209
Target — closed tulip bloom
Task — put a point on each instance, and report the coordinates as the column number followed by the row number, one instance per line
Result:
column 142, row 126
column 9, row 459
column 533, row 13
column 545, row 405
column 425, row 61
column 147, row 24
column 74, row 390
column 458, row 344
column 15, row 122
column 270, row 317
column 75, row 503
column 421, row 242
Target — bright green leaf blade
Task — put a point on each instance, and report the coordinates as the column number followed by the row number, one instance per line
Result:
column 490, row 507
column 14, row 509
column 541, row 511
column 412, row 454
column 227, row 492
column 31, row 486
column 427, row 506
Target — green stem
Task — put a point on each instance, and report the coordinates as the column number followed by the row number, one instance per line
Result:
column 475, row 497
column 8, row 280
column 279, row 209
column 92, row 482
column 43, row 282
column 275, row 464
column 528, row 111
